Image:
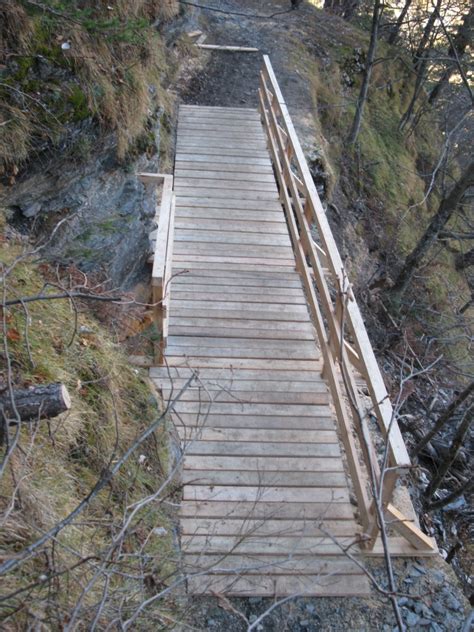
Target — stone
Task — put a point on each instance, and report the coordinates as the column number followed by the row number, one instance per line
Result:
column 31, row 210
column 160, row 531
column 438, row 608
column 457, row 504
column 412, row 619
column 438, row 576
column 453, row 603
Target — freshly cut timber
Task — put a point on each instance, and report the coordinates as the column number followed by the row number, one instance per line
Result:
column 36, row 402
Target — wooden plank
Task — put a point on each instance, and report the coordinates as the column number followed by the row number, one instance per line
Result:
column 216, row 212
column 399, row 547
column 269, row 528
column 236, row 138
column 230, row 237
column 258, row 435
column 265, row 586
column 264, row 479
column 204, row 289
column 220, row 118
column 163, row 229
column 253, row 421
column 229, row 160
column 303, row 467
column 246, row 386
column 215, row 165
column 271, row 564
column 229, row 49
column 265, row 494
column 224, row 123
column 262, row 546
column 212, row 109
column 255, row 348
column 256, row 352
column 268, row 449
column 236, row 176
column 223, row 183
column 219, row 264
column 187, row 261
column 238, row 408
column 244, row 363
column 231, row 329
column 235, row 226
column 234, row 373
column 261, row 311
column 409, row 530
column 229, row 296
column 274, row 352
column 293, row 312
column 252, row 397
column 221, row 153
column 215, row 194
column 265, row 510
column 257, row 206
column 215, row 278
column 206, row 130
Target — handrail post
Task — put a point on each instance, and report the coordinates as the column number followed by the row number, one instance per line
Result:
column 162, row 259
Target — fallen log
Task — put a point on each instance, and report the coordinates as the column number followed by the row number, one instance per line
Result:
column 36, row 402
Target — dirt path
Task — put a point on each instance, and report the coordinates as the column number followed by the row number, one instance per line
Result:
column 231, row 79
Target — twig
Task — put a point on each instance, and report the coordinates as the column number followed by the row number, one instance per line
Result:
column 69, row 295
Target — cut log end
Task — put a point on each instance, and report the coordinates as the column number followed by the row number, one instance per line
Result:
column 34, row 403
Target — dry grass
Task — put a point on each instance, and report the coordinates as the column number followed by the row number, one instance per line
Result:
column 59, row 461
column 112, row 72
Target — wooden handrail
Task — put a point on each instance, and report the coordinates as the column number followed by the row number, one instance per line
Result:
column 344, row 342
column 162, row 258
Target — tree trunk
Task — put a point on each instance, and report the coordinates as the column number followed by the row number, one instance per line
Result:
column 396, row 30
column 31, row 404
column 460, row 43
column 467, row 486
column 445, row 417
column 453, row 450
column 465, row 260
column 420, row 80
column 355, row 129
column 445, row 210
column 350, row 9
column 425, row 38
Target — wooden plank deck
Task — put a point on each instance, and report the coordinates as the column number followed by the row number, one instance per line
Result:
column 263, row 475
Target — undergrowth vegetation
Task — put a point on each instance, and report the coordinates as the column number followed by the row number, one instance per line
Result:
column 387, row 174
column 62, row 460
column 67, row 63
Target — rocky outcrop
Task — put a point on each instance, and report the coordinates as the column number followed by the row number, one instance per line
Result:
column 108, row 212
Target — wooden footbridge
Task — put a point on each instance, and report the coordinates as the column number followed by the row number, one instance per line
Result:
column 266, row 365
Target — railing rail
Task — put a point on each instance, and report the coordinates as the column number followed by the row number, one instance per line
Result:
column 343, row 338
column 162, row 258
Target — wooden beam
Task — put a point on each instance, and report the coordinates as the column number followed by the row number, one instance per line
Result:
column 229, row 49
column 409, row 530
